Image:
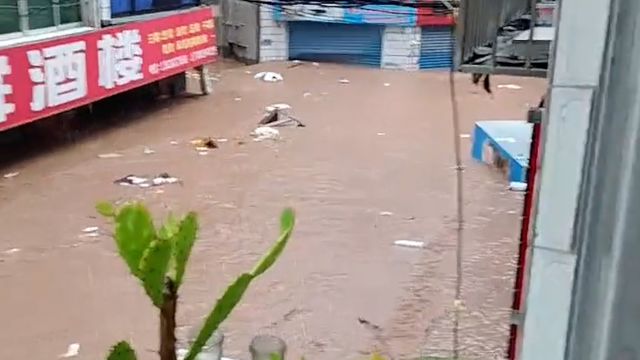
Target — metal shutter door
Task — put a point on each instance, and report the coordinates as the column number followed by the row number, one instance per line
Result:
column 338, row 43
column 436, row 47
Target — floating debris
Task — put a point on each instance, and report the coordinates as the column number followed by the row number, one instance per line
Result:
column 409, row 243
column 265, row 133
column 275, row 107
column 110, row 156
column 164, row 178
column 173, row 142
column 344, row 81
column 510, row 86
column 315, row 64
column 222, row 140
column 387, row 84
column 72, row 350
column 269, row 76
column 381, row 134
column 12, row 251
column 237, row 99
column 295, row 63
column 306, row 94
column 204, row 144
column 369, row 324
column 148, row 151
column 91, row 231
column 385, row 213
column 465, row 136
column 11, row 175
column 278, row 115
column 145, row 182
column 517, row 186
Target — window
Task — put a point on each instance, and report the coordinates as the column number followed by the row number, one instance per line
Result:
column 25, row 15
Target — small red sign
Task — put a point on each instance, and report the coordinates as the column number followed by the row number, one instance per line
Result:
column 429, row 17
column 49, row 77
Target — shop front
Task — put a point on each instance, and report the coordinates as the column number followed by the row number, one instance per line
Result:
column 386, row 36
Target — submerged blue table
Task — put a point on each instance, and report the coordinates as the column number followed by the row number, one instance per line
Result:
column 506, row 140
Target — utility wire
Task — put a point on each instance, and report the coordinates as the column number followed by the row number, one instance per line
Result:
column 459, row 168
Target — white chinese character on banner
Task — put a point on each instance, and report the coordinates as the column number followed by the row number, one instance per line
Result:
column 119, row 58
column 59, row 74
column 6, row 108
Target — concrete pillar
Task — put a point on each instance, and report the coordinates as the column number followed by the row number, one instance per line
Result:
column 578, row 53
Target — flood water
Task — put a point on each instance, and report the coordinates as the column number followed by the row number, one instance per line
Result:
column 374, row 164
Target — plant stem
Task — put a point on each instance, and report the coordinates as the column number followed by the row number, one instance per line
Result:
column 168, row 323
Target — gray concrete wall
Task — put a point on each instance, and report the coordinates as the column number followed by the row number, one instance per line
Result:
column 240, row 30
column 579, row 47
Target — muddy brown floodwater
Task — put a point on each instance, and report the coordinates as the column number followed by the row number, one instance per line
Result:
column 367, row 148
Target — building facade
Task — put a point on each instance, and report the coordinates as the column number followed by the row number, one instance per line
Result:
column 57, row 56
column 385, row 36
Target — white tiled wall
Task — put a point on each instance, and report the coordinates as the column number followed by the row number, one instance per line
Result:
column 401, row 48
column 274, row 37
column 105, row 9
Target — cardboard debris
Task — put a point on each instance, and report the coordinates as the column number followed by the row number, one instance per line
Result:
column 204, row 143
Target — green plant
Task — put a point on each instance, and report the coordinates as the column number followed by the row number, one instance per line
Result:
column 158, row 257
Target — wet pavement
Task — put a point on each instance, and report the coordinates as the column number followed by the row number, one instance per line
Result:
column 373, row 165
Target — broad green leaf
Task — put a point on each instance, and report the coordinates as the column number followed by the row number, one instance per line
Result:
column 287, row 221
column 170, row 228
column 275, row 357
column 122, row 351
column 134, row 232
column 183, row 243
column 106, row 209
column 223, row 308
column 153, row 269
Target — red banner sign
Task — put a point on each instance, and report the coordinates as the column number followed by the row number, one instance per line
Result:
column 49, row 77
